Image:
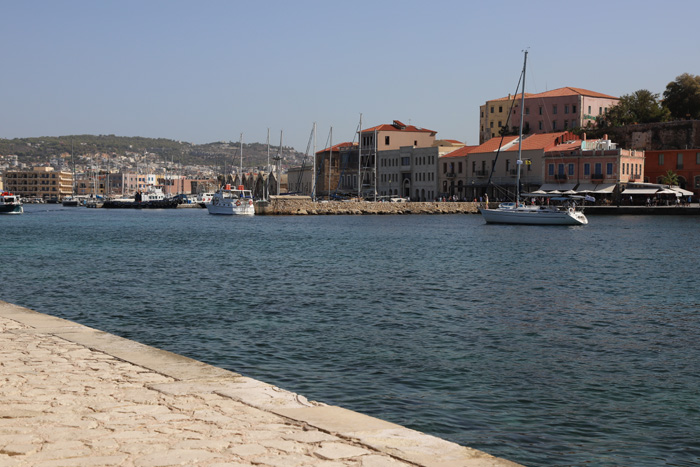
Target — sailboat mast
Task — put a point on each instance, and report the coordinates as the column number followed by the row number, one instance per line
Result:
column 330, row 165
column 241, row 166
column 359, row 162
column 313, row 177
column 267, row 168
column 520, row 139
column 279, row 167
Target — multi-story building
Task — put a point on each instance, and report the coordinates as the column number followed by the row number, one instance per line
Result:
column 491, row 167
column 596, row 166
column 685, row 163
column 40, row 182
column 354, row 174
column 546, row 112
column 411, row 172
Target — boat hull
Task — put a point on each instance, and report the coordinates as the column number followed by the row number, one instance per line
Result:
column 528, row 216
column 230, row 209
column 11, row 209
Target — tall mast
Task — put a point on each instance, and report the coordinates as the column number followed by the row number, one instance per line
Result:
column 279, row 167
column 520, row 139
column 267, row 168
column 241, row 166
column 330, row 165
column 313, row 176
column 359, row 162
column 375, row 165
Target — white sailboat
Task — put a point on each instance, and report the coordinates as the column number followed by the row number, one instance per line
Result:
column 519, row 213
column 230, row 201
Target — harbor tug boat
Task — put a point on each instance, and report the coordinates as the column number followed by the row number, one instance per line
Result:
column 232, row 201
column 10, row 204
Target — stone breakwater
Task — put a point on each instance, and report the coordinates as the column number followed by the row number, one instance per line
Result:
column 74, row 396
column 303, row 205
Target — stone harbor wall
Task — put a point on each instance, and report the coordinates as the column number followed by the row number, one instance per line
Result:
column 303, row 205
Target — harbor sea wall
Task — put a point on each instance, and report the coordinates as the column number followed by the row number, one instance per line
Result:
column 79, row 396
column 303, row 205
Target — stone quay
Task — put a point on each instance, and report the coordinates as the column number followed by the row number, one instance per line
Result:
column 75, row 396
column 303, row 205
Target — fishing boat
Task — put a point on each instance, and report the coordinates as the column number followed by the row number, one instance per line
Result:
column 520, row 213
column 10, row 204
column 232, row 201
column 70, row 201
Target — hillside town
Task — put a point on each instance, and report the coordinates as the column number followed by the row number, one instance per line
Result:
column 634, row 164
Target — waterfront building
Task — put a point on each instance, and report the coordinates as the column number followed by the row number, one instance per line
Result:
column 411, row 172
column 596, row 166
column 353, row 173
column 485, row 163
column 685, row 163
column 561, row 109
column 40, row 182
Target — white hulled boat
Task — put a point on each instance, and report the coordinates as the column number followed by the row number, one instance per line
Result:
column 519, row 213
column 232, row 201
column 10, row 204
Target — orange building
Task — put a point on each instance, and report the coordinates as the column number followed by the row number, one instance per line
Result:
column 683, row 162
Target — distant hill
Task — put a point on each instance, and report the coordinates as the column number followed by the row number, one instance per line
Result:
column 42, row 149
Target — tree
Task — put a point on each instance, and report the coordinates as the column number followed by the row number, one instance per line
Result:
column 682, row 97
column 670, row 178
column 642, row 106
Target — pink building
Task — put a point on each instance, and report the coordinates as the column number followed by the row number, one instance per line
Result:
column 547, row 112
column 593, row 166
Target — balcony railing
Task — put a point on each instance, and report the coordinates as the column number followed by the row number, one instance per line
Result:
column 597, row 177
column 450, row 175
column 560, row 177
column 481, row 173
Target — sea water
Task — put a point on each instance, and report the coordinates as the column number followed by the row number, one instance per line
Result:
column 553, row 346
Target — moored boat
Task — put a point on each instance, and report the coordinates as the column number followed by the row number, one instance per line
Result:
column 232, row 201
column 10, row 204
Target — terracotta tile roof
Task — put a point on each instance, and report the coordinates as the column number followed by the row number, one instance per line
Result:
column 540, row 141
column 493, row 144
column 398, row 126
column 463, row 151
column 570, row 146
column 337, row 147
column 510, row 98
column 569, row 91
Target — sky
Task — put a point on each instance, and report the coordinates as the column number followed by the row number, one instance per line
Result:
column 208, row 70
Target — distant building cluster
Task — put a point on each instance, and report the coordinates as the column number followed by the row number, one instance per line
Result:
column 395, row 160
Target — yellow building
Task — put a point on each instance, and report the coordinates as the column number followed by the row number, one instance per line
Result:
column 494, row 115
column 40, row 182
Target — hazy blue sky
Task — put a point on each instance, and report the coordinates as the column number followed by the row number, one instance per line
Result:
column 208, row 70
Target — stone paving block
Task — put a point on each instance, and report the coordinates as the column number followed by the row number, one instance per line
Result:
column 335, row 451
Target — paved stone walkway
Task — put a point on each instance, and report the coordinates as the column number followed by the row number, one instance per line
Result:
column 73, row 396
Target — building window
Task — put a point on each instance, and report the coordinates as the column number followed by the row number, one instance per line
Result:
column 589, row 110
column 566, row 108
column 527, row 110
column 566, row 124
column 540, row 110
column 507, row 165
column 459, row 167
column 444, row 167
column 491, row 109
column 500, row 124
column 661, row 158
column 571, row 169
column 697, row 181
column 554, row 124
column 551, row 170
column 573, row 109
column 679, row 160
column 482, row 114
column 500, row 108
column 600, row 111
column 540, row 124
column 560, row 169
column 491, row 124
column 386, row 140
column 473, row 167
column 697, row 158
column 415, row 143
column 598, row 168
column 609, row 168
column 554, row 109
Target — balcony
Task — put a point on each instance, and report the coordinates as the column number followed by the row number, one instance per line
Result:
column 481, row 173
column 597, row 177
column 450, row 175
column 561, row 177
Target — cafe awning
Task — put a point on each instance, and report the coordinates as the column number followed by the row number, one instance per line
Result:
column 640, row 191
column 557, row 186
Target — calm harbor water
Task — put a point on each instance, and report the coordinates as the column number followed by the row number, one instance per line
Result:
column 553, row 346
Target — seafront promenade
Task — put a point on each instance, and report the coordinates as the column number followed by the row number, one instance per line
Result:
column 71, row 395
